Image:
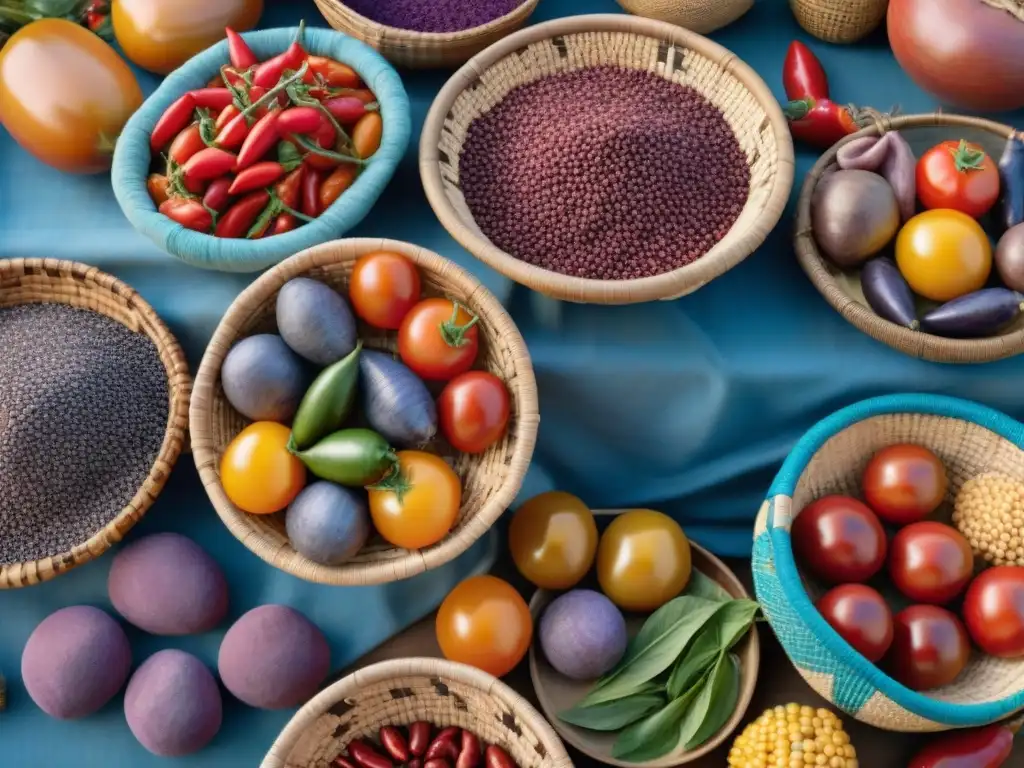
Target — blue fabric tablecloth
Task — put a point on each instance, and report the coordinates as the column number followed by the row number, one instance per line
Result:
column 686, row 406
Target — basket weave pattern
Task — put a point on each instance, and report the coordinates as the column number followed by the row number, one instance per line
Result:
column 700, row 16
column 51, row 281
column 839, row 21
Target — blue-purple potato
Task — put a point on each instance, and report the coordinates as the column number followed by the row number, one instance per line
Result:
column 263, row 379
column 173, row 704
column 75, row 661
column 975, row 315
column 315, row 321
column 397, row 403
column 273, row 657
column 854, row 215
column 887, row 293
column 166, row 584
column 327, row 523
column 583, row 635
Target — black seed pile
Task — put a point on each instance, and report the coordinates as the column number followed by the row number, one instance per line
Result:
column 83, row 409
column 605, row 173
column 433, row 15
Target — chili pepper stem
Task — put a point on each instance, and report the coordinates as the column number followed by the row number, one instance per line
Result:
column 454, row 334
column 297, row 214
column 276, row 91
column 305, row 101
column 313, row 147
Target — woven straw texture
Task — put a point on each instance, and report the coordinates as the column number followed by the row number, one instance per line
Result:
column 627, row 41
column 490, row 481
column 132, row 155
column 50, row 281
column 700, row 16
column 424, row 50
column 402, row 691
column 831, row 461
column 842, row 289
column 839, row 21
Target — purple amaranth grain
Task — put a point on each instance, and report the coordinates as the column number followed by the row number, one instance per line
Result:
column 433, row 15
column 604, row 173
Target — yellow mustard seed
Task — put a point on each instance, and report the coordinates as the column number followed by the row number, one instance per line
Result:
column 793, row 737
column 989, row 512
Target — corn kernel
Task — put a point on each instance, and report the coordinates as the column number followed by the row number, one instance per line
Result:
column 793, row 736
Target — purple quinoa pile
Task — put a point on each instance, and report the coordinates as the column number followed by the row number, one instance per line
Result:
column 604, row 173
column 433, row 15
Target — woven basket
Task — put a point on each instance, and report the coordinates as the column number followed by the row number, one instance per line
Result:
column 839, row 21
column 842, row 289
column 50, row 281
column 402, row 691
column 490, row 481
column 581, row 41
column 700, row 16
column 970, row 439
column 424, row 50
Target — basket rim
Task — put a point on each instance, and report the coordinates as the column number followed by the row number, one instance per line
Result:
column 786, row 569
column 381, row 671
column 411, row 562
column 914, row 343
column 667, row 285
column 179, row 386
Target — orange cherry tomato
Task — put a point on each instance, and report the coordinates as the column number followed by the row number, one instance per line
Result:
column 334, row 73
column 553, row 539
column 157, row 185
column 383, row 287
column 943, row 254
column 419, row 507
column 258, row 473
column 438, row 339
column 366, row 135
column 485, row 623
column 65, row 94
column 958, row 175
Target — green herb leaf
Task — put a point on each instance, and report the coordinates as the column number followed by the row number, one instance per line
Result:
column 655, row 735
column 715, row 703
column 726, row 628
column 704, row 586
column 614, row 715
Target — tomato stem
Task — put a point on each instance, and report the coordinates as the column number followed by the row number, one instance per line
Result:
column 395, row 480
column 967, row 158
column 454, row 335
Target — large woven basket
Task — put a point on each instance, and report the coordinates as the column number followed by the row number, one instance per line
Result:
column 490, row 481
column 970, row 439
column 50, row 281
column 424, row 50
column 402, row 691
column 700, row 16
column 842, row 288
column 629, row 41
column 839, row 21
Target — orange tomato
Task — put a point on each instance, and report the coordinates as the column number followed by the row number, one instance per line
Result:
column 419, row 508
column 161, row 35
column 383, row 287
column 943, row 254
column 553, row 539
column 259, row 475
column 366, row 134
column 65, row 94
column 485, row 623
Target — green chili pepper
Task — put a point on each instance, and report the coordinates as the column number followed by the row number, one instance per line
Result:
column 327, row 402
column 352, row 457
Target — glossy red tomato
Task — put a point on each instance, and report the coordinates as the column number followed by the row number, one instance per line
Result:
column 383, row 287
column 930, row 562
column 861, row 616
column 439, row 339
column 473, row 411
column 839, row 540
column 904, row 483
column 994, row 611
column 930, row 647
column 959, row 176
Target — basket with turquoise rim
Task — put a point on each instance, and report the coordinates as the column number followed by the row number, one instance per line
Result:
column 970, row 439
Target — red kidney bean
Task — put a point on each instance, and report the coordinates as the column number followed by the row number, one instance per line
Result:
column 496, row 757
column 341, row 762
column 443, row 746
column 419, row 734
column 414, row 763
column 394, row 743
column 366, row 756
column 469, row 755
column 437, row 762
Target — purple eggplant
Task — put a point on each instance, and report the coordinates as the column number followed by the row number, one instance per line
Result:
column 888, row 293
column 977, row 314
column 397, row 403
column 1011, row 176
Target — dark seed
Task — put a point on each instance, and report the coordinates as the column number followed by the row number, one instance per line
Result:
column 433, row 15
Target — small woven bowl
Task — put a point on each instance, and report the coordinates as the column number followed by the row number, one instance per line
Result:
column 700, row 16
column 402, row 691
column 132, row 155
column 839, row 21
column 842, row 288
column 629, row 41
column 424, row 50
column 829, row 459
column 490, row 480
column 50, row 281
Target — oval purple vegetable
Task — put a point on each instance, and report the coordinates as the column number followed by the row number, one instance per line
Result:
column 1009, row 258
column 583, row 635
column 397, row 403
column 887, row 293
column 1011, row 177
column 977, row 314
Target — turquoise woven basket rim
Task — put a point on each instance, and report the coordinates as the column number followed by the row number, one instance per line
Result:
column 789, row 578
column 132, row 155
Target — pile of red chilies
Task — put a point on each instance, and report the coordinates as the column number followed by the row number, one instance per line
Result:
column 266, row 146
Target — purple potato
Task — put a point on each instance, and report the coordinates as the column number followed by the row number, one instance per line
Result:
column 173, row 704
column 887, row 293
column 1009, row 258
column 315, row 321
column 327, row 523
column 854, row 215
column 75, row 661
column 397, row 403
column 977, row 314
column 273, row 657
column 583, row 635
column 166, row 584
column 263, row 379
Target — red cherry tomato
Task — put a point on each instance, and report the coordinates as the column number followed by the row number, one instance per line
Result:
column 904, row 483
column 958, row 175
column 930, row 562
column 439, row 339
column 994, row 611
column 861, row 616
column 929, row 648
column 473, row 410
column 839, row 540
column 383, row 287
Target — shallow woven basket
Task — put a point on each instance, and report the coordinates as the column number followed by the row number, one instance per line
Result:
column 842, row 288
column 700, row 16
column 628, row 41
column 970, row 439
column 424, row 50
column 490, row 481
column 51, row 281
column 402, row 691
column 839, row 21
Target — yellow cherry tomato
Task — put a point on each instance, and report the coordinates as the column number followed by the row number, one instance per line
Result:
column 943, row 254
column 258, row 473
column 419, row 506
column 643, row 560
column 553, row 539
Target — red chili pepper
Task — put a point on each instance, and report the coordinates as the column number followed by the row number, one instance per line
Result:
column 283, row 223
column 326, row 138
column 172, row 122
column 186, row 144
column 269, row 72
column 334, row 73
column 289, row 189
column 819, row 122
column 218, row 194
column 234, row 133
column 256, row 176
column 803, row 76
column 261, row 139
column 300, row 120
column 241, row 216
column 311, row 192
column 228, row 114
column 157, row 185
column 189, row 213
column 212, row 98
column 255, row 94
column 346, row 109
column 239, row 52
column 337, row 184
column 208, row 164
column 987, row 747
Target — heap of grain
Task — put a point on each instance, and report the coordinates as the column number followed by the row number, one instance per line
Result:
column 433, row 15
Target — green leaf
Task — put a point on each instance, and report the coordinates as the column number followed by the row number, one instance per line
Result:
column 715, row 703
column 726, row 628
column 654, row 736
column 614, row 715
column 704, row 586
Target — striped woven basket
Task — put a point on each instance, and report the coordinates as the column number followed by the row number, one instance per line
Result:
column 839, row 21
column 700, row 16
column 970, row 439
